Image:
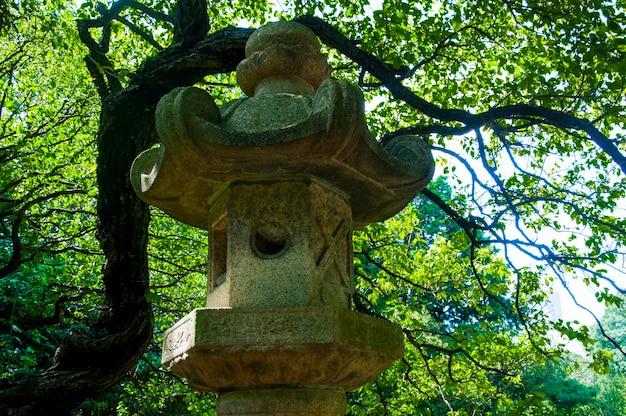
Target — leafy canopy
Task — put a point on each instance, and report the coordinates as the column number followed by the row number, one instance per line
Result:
column 522, row 103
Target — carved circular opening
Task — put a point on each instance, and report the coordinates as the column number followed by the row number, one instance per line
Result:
column 270, row 239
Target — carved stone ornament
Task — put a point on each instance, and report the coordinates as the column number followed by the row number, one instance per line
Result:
column 295, row 121
column 280, row 179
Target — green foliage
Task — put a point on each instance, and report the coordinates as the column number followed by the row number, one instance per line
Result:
column 465, row 340
column 49, row 259
column 468, row 298
column 150, row 390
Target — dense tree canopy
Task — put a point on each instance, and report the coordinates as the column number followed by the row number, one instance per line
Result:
column 524, row 108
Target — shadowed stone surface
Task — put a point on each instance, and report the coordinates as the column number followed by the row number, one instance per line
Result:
column 223, row 349
column 279, row 179
column 291, row 126
column 283, row 402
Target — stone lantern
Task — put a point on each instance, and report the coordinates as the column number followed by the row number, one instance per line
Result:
column 280, row 179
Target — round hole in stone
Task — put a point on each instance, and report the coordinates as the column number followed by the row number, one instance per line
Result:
column 270, row 239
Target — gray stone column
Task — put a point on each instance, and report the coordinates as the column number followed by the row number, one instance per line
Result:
column 280, row 243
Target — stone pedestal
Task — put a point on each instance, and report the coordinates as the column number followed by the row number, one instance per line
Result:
column 277, row 336
column 283, row 402
column 308, row 356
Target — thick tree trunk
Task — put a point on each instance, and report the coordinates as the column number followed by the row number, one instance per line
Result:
column 92, row 361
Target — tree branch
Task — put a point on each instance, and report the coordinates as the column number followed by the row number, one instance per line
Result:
column 16, row 256
column 389, row 77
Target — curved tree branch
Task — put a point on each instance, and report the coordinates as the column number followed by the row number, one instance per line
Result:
column 16, row 256
column 391, row 79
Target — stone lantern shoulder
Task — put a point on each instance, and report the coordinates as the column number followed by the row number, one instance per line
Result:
column 276, row 136
column 296, row 122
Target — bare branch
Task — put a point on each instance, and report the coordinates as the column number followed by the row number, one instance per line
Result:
column 16, row 256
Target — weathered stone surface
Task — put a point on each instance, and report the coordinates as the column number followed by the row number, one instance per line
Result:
column 283, row 402
column 280, row 244
column 282, row 50
column 297, row 123
column 280, row 179
column 222, row 349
